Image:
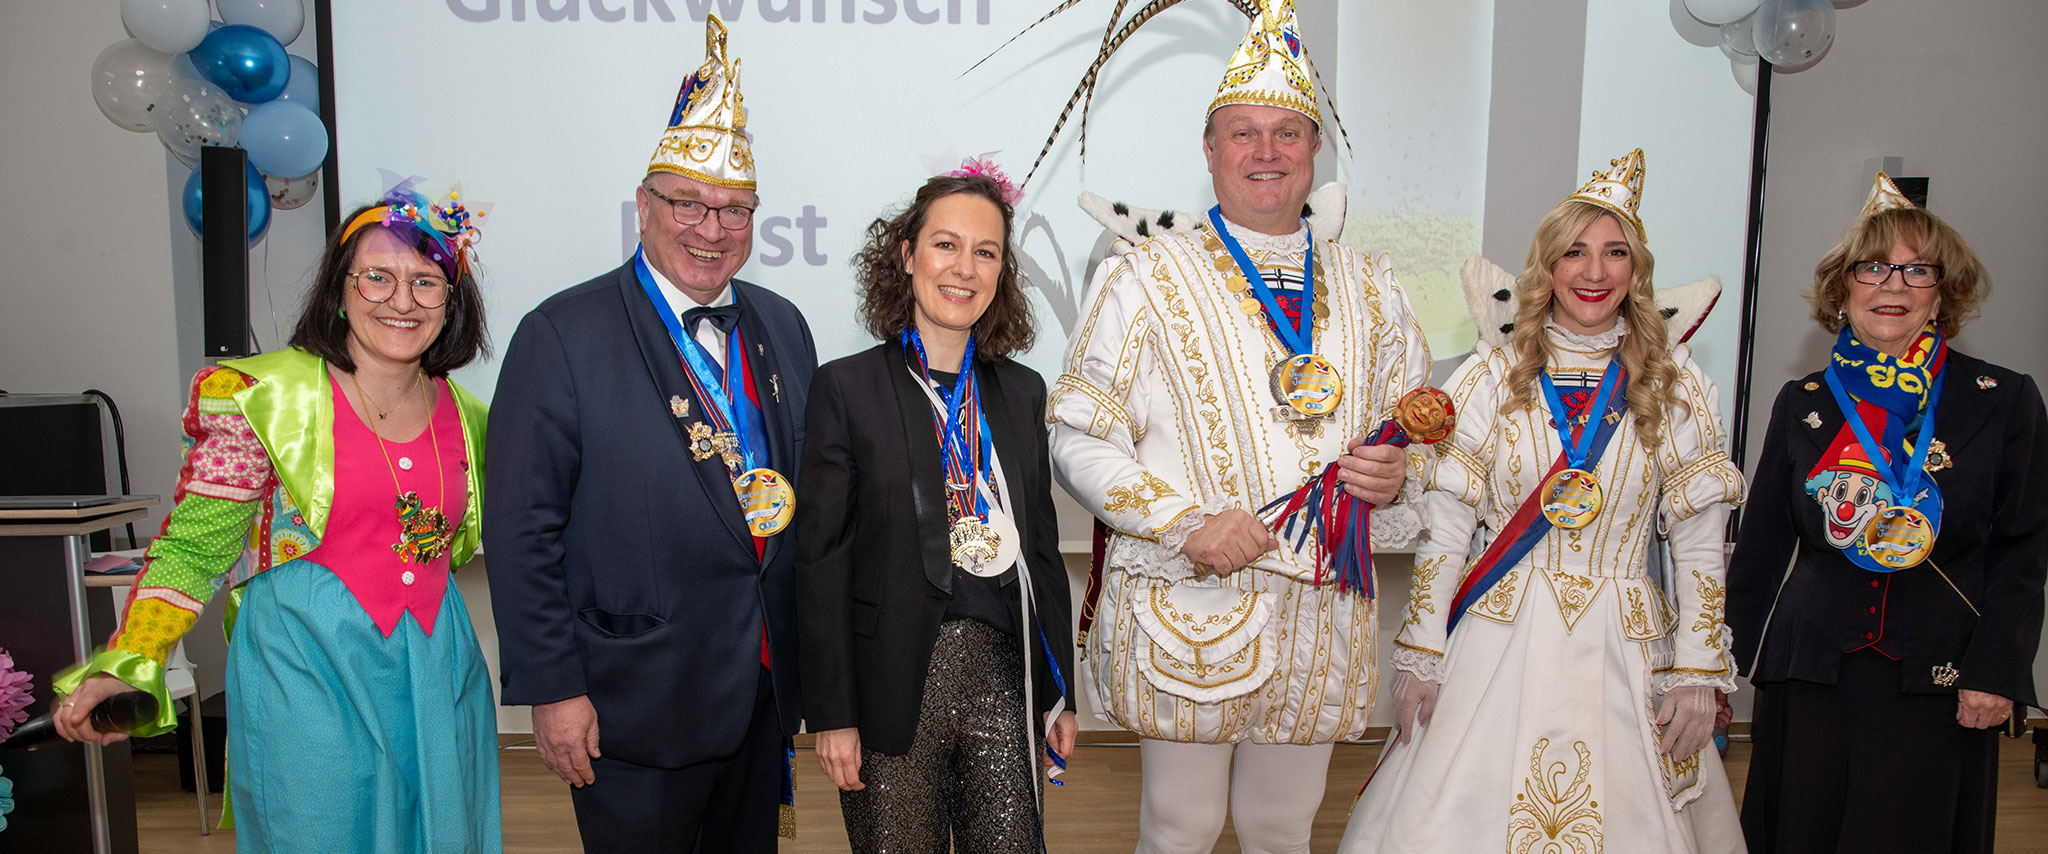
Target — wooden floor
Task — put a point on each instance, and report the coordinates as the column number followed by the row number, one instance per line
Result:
column 1097, row 811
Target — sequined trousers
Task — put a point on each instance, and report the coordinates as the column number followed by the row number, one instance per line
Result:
column 969, row 776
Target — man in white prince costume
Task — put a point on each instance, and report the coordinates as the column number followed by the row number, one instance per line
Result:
column 1217, row 370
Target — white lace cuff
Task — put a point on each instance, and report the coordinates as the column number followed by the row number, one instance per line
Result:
column 1163, row 559
column 1423, row 665
column 1663, row 683
column 1400, row 524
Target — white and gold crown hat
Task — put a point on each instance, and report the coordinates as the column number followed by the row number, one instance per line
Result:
column 707, row 136
column 1619, row 190
column 1270, row 67
column 1885, row 196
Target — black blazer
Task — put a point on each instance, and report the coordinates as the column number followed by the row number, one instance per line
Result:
column 873, row 562
column 1993, row 545
column 620, row 568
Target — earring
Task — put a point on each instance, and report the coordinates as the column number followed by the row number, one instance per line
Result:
column 344, row 312
column 1839, row 316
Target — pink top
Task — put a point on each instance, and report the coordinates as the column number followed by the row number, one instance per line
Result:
column 363, row 526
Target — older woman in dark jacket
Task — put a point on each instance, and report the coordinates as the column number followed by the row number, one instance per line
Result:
column 1905, row 627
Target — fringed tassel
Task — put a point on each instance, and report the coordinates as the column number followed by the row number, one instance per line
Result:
column 1342, row 524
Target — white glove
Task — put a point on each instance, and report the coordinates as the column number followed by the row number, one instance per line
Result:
column 1414, row 698
column 1687, row 716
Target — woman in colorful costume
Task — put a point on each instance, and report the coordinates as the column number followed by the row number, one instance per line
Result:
column 935, row 681
column 1546, row 693
column 1906, row 625
column 330, row 488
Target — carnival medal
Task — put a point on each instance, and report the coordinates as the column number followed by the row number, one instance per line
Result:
column 1902, row 533
column 1571, row 498
column 1305, row 384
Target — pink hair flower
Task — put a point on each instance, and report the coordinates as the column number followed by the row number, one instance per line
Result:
column 985, row 166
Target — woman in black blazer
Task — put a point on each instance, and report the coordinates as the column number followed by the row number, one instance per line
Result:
column 921, row 651
column 1885, row 664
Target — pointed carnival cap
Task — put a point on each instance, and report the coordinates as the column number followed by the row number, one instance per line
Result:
column 707, row 136
column 1270, row 68
column 1619, row 190
column 1885, row 196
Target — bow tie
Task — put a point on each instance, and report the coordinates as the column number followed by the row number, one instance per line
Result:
column 725, row 317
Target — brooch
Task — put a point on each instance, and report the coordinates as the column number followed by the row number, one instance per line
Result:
column 1937, row 456
column 678, row 407
column 1946, row 674
column 1812, row 386
column 1986, row 383
column 1812, row 420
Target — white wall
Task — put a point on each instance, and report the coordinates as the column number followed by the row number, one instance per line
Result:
column 1955, row 89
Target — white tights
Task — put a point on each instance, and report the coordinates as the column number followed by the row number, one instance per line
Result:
column 1271, row 791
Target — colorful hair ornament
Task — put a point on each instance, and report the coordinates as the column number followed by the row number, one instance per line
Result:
column 451, row 226
column 985, row 166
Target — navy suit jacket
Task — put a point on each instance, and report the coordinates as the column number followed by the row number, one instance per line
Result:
column 1797, row 621
column 620, row 567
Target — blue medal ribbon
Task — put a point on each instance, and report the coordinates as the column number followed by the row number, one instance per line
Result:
column 743, row 422
column 966, row 459
column 1578, row 444
column 1299, row 338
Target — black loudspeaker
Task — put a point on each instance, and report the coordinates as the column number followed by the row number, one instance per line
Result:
column 224, row 250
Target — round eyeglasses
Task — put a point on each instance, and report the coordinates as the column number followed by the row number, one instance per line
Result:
column 379, row 285
column 1916, row 275
column 689, row 212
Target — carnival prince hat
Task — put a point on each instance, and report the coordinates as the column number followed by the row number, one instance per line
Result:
column 1619, row 190
column 707, row 137
column 1270, row 67
column 1885, row 196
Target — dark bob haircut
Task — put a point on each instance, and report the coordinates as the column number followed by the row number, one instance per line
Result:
column 324, row 332
column 888, row 305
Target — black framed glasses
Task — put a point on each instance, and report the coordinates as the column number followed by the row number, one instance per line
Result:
column 1916, row 275
column 379, row 285
column 689, row 212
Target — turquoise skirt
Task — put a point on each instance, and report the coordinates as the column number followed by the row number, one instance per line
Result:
column 340, row 739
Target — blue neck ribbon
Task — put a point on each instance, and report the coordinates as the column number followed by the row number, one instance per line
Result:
column 1301, row 337
column 1577, row 444
column 712, row 387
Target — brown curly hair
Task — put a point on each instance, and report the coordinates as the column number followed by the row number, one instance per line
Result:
column 1964, row 283
column 887, row 302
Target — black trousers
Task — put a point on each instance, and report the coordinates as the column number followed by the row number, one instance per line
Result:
column 724, row 805
column 1859, row 766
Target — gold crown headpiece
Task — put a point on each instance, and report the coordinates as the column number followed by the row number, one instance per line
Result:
column 1619, row 190
column 707, row 137
column 1885, row 196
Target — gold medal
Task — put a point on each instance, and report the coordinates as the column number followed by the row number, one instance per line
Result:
column 975, row 544
column 1900, row 537
column 766, row 500
column 1572, row 499
column 1309, row 384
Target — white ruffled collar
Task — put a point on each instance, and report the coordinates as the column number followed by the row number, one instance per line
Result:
column 1599, row 342
column 1256, row 242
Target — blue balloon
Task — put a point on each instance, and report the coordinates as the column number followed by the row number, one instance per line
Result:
column 245, row 62
column 286, row 140
column 258, row 205
column 303, row 88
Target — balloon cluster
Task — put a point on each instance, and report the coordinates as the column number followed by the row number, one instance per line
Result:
column 1787, row 33
column 195, row 82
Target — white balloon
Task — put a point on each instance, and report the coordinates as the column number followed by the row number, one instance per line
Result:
column 281, row 18
column 289, row 193
column 1718, row 12
column 1794, row 33
column 167, row 26
column 1740, row 36
column 1746, row 73
column 191, row 114
column 126, row 79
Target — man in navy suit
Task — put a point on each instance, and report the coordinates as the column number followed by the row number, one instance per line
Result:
column 642, row 431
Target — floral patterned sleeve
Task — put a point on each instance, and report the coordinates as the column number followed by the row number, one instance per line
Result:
column 221, row 486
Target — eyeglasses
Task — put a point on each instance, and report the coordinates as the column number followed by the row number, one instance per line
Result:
column 689, row 212
column 378, row 285
column 1916, row 275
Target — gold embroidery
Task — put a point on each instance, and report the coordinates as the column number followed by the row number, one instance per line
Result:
column 1713, row 608
column 1574, row 593
column 1559, row 819
column 1138, row 496
column 1419, row 588
column 1638, row 621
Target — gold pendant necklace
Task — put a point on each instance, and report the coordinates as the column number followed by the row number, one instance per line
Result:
column 423, row 530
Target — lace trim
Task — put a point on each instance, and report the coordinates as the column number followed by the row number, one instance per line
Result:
column 1599, row 342
column 1400, row 524
column 1422, row 664
column 1664, row 683
column 1293, row 245
column 1163, row 559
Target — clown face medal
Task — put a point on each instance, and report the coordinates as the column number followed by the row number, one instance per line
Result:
column 766, row 500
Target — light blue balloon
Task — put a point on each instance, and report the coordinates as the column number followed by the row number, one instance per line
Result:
column 286, row 140
column 303, row 87
column 257, row 203
column 245, row 62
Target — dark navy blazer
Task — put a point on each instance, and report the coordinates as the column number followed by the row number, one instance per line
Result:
column 620, row 567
